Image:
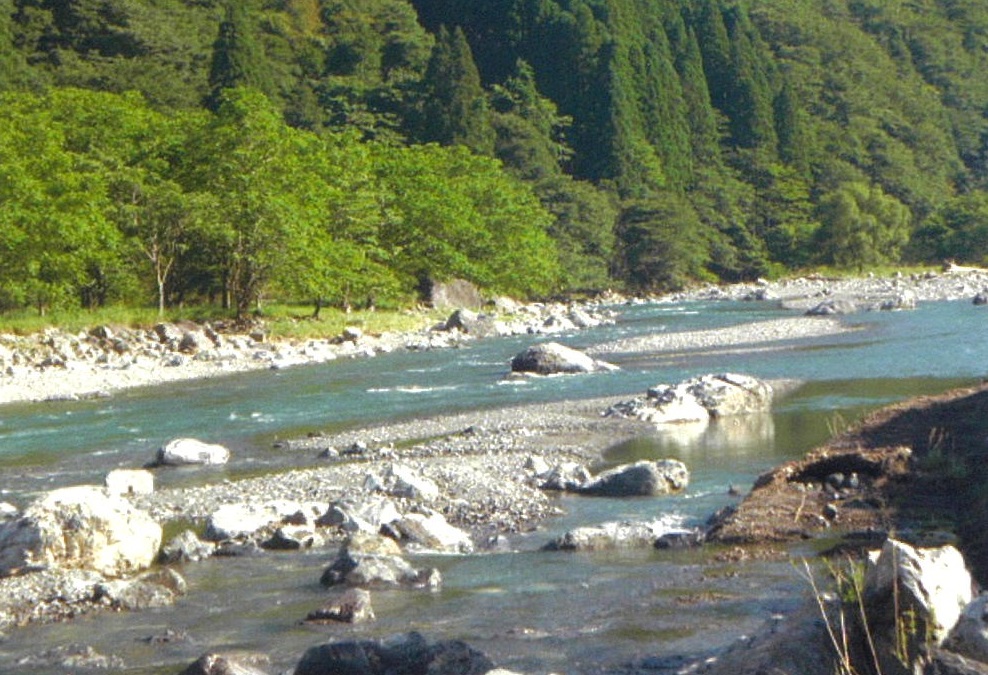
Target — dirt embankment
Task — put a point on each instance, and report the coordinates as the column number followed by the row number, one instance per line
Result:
column 915, row 469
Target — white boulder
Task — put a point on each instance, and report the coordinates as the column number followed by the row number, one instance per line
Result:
column 185, row 451
column 434, row 533
column 80, row 527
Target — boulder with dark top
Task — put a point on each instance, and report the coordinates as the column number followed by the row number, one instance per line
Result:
column 552, row 358
column 471, row 323
column 375, row 561
column 354, row 606
column 407, row 653
column 727, row 394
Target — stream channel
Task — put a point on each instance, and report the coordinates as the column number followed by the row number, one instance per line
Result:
column 531, row 611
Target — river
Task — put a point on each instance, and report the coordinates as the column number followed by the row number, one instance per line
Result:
column 531, row 611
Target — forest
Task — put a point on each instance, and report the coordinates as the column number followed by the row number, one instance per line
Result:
column 348, row 152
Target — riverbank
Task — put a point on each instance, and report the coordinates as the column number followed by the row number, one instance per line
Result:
column 55, row 365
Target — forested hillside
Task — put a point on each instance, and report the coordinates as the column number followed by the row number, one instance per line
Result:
column 347, row 151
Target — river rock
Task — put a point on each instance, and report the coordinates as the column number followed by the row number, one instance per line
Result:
column 434, row 533
column 239, row 663
column 402, row 481
column 981, row 298
column 928, row 588
column 73, row 657
column 568, row 476
column 186, row 451
column 666, row 404
column 641, row 479
column 186, row 547
column 552, row 358
column 293, row 538
column 8, row 511
column 832, row 307
column 454, row 294
column 904, row 300
column 369, row 560
column 80, row 527
column 130, row 482
column 363, row 516
column 406, row 653
column 970, row 636
column 159, row 588
column 610, row 536
column 232, row 521
column 727, row 394
column 354, row 606
column 472, row 323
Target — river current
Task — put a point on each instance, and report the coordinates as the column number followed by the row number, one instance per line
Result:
column 531, row 611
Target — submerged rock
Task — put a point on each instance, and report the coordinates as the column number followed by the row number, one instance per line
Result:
column 370, row 561
column 189, row 451
column 406, row 653
column 354, row 606
column 612, row 535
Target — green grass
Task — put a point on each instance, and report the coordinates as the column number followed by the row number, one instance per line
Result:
column 281, row 321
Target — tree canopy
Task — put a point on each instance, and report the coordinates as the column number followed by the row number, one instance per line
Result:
column 344, row 151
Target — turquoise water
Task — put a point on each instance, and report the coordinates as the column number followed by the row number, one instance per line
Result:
column 531, row 611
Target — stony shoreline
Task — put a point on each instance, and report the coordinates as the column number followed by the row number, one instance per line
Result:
column 489, row 466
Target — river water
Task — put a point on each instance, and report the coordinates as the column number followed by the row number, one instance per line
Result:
column 531, row 611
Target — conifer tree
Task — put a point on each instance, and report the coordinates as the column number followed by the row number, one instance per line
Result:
column 455, row 110
column 238, row 59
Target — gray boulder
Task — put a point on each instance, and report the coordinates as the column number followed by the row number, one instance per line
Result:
column 159, row 588
column 241, row 663
column 232, row 521
column 80, row 527
column 407, row 653
column 832, row 307
column 186, row 547
column 552, row 358
column 455, row 294
column 981, row 298
column 373, row 561
column 970, row 636
column 354, row 606
column 641, row 479
column 471, row 323
column 188, row 451
column 567, row 476
column 363, row 516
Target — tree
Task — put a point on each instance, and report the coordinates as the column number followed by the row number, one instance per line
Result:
column 860, row 225
column 238, row 60
column 253, row 167
column 455, row 110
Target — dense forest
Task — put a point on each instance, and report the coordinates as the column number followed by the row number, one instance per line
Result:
column 346, row 152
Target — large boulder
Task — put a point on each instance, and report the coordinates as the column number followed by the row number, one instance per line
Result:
column 728, row 394
column 913, row 599
column 552, row 358
column 454, row 294
column 471, row 323
column 698, row 399
column 367, row 515
column 186, row 451
column 354, row 606
column 407, row 653
column 80, row 527
column 641, row 479
column 970, row 636
column 832, row 307
column 434, row 533
column 241, row 520
column 373, row 561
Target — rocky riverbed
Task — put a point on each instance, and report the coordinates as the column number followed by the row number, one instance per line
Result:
column 485, row 474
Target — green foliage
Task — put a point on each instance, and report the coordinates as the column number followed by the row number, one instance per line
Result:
column 860, row 225
column 238, row 59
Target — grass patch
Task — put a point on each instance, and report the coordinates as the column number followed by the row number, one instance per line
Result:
column 282, row 321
